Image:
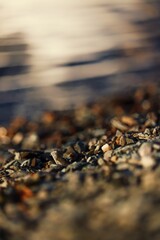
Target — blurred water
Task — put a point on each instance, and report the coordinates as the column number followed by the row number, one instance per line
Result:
column 58, row 54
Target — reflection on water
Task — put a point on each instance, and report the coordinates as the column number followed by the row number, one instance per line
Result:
column 57, row 54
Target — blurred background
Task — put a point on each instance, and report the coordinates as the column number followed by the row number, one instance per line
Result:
column 61, row 54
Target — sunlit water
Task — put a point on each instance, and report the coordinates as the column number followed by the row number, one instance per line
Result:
column 58, row 54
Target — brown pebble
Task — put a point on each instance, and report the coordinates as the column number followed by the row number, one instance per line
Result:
column 128, row 120
column 121, row 140
column 57, row 157
column 17, row 139
column 107, row 155
column 114, row 158
column 118, row 124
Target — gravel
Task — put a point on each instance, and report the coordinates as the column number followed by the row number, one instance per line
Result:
column 90, row 173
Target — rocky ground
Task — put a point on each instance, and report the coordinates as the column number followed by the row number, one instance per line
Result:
column 87, row 173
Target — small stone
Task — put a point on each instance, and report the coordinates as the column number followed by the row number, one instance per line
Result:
column 106, row 147
column 134, row 157
column 17, row 139
column 42, row 195
column 11, row 163
column 96, row 150
column 118, row 124
column 107, row 155
column 156, row 146
column 12, row 151
column 58, row 158
column 151, row 120
column 129, row 121
column 89, row 159
column 122, row 166
column 156, row 130
column 129, row 141
column 145, row 149
column 121, row 140
column 30, row 141
column 17, row 156
column 120, row 160
column 80, row 147
column 99, row 132
column 141, row 136
column 114, row 158
column 92, row 143
column 134, row 129
column 26, row 163
column 100, row 162
column 3, row 183
column 147, row 161
column 150, row 123
column 9, row 171
column 33, row 162
column 147, row 131
column 70, row 154
column 118, row 133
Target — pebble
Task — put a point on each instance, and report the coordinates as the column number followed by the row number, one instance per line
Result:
column 97, row 148
column 80, row 147
column 91, row 144
column 98, row 132
column 17, row 139
column 129, row 140
column 70, row 154
column 33, row 163
column 58, row 157
column 118, row 124
column 156, row 130
column 31, row 141
column 147, row 131
column 107, row 155
column 3, row 183
column 128, row 120
column 121, row 140
column 114, row 158
column 118, row 133
column 11, row 163
column 156, row 146
column 106, row 147
column 148, row 162
column 122, row 166
column 145, row 149
column 100, row 162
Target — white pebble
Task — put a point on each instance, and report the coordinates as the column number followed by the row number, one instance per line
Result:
column 147, row 161
column 145, row 149
column 106, row 147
